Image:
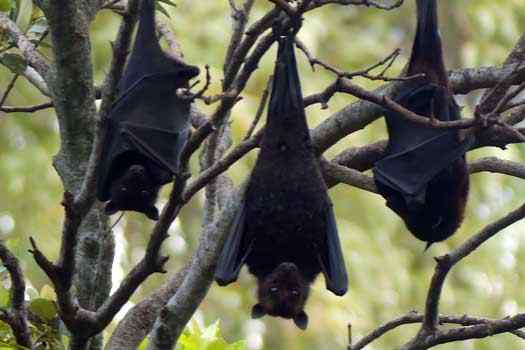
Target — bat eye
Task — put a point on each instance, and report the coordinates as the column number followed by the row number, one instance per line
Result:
column 295, row 293
column 123, row 189
column 274, row 290
column 144, row 193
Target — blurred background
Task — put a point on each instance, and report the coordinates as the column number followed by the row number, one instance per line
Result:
column 388, row 270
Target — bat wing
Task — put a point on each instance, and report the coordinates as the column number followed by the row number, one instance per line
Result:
column 331, row 259
column 147, row 120
column 161, row 146
column 409, row 172
column 235, row 250
column 110, row 146
column 403, row 133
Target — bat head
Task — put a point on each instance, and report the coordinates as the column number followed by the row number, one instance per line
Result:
column 441, row 214
column 134, row 190
column 283, row 293
column 431, row 227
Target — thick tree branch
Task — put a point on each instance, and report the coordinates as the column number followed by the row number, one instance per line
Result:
column 152, row 261
column 179, row 309
column 496, row 165
column 86, row 196
column 139, row 321
column 74, row 97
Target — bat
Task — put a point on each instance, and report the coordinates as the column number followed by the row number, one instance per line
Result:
column 285, row 230
column 148, row 124
column 424, row 176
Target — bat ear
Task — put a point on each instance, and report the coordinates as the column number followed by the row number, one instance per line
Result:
column 152, row 213
column 258, row 311
column 301, row 320
column 111, row 208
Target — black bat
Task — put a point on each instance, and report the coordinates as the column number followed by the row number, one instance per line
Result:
column 424, row 176
column 285, row 230
column 148, row 125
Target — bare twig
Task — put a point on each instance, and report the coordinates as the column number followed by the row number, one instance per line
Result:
column 387, row 62
column 344, row 85
column 8, row 89
column 491, row 97
column 15, row 77
column 415, row 317
column 367, row 3
column 16, row 317
column 504, row 103
column 429, row 333
column 221, row 165
column 240, row 20
column 28, row 109
column 260, row 109
column 26, row 47
column 199, row 95
column 361, row 113
column 283, row 5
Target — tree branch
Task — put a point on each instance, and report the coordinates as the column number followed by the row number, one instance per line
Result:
column 429, row 334
column 181, row 306
column 16, row 317
column 361, row 113
column 27, row 48
column 414, row 317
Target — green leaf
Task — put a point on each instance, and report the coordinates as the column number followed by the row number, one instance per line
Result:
column 162, row 10
column 14, row 62
column 39, row 26
column 48, row 293
column 5, row 5
column 32, row 292
column 43, row 308
column 144, row 344
column 65, row 341
column 25, row 11
column 195, row 338
column 169, row 2
column 4, row 297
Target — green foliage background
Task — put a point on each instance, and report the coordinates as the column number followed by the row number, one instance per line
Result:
column 389, row 273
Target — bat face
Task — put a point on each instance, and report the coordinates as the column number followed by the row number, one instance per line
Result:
column 134, row 190
column 283, row 293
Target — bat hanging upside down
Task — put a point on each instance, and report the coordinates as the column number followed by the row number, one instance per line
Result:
column 424, row 176
column 148, row 125
column 285, row 230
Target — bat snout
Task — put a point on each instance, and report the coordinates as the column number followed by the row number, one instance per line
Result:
column 137, row 169
column 288, row 267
